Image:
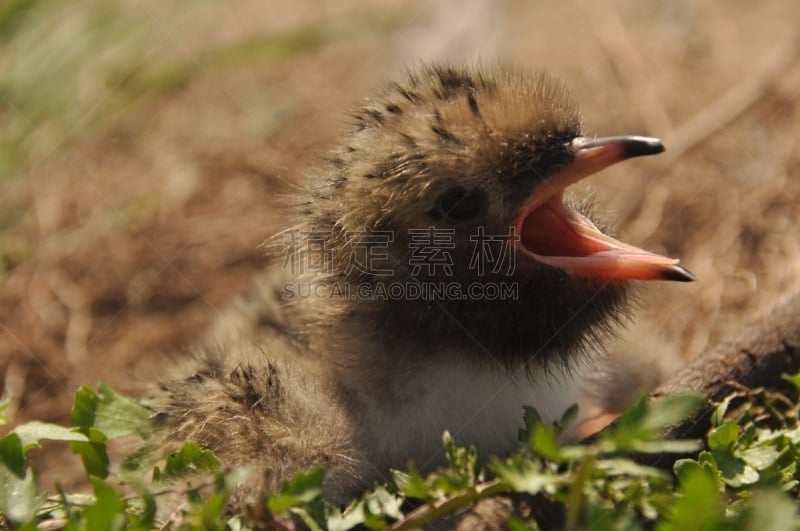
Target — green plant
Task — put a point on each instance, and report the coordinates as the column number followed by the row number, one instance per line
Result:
column 744, row 477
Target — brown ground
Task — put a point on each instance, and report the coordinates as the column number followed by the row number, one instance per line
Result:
column 124, row 231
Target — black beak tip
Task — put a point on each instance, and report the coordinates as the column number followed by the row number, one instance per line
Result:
column 637, row 146
column 680, row 274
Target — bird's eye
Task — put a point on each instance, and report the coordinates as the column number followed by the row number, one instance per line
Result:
column 460, row 204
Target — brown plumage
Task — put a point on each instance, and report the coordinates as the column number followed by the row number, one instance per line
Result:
column 308, row 370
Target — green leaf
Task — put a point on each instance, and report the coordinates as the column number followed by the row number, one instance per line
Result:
column 718, row 416
column 706, row 460
column 792, row 435
column 522, row 475
column 372, row 512
column 771, row 510
column 112, row 414
column 18, row 485
column 747, row 436
column 672, row 409
column 4, row 403
column 698, row 507
column 141, row 461
column 627, row 467
column 759, row 457
column 462, row 459
column 93, row 453
column 601, row 517
column 213, row 509
column 190, row 459
column 531, row 418
column 794, row 379
column 723, row 437
column 544, row 442
column 734, row 471
column 666, row 447
column 629, row 425
column 108, row 511
column 302, row 488
column 31, row 433
column 84, row 407
column 463, row 463
column 18, row 499
column 515, row 524
column 238, row 476
column 94, row 457
column 568, row 417
column 382, row 503
column 685, row 468
column 145, row 517
column 642, row 422
column 12, row 454
column 309, row 521
column 411, row 485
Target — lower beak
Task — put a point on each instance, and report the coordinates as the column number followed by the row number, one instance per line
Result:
column 553, row 234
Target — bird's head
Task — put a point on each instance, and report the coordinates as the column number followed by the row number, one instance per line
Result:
column 456, row 177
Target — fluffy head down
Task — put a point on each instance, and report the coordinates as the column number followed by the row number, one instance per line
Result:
column 456, row 150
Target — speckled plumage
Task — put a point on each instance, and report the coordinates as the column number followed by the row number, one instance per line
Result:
column 358, row 385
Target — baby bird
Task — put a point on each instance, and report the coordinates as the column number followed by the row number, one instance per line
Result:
column 437, row 278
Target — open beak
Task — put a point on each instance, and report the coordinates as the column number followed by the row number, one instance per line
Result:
column 554, row 234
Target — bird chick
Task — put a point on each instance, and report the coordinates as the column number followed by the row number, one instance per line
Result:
column 437, row 278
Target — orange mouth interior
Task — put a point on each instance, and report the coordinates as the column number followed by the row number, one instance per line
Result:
column 556, row 235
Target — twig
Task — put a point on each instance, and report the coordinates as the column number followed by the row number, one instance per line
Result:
column 575, row 497
column 759, row 356
column 172, row 518
column 432, row 511
column 57, row 523
column 79, row 324
column 733, row 103
column 627, row 61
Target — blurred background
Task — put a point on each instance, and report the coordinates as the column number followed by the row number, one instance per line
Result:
column 143, row 145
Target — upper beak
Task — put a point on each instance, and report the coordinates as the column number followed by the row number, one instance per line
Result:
column 556, row 235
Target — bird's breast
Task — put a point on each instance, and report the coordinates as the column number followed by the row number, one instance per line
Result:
column 477, row 405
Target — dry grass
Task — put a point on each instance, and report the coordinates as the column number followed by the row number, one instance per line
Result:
column 142, row 147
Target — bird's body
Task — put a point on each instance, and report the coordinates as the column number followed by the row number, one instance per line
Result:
column 336, row 359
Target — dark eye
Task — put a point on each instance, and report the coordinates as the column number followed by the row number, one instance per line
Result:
column 460, row 204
